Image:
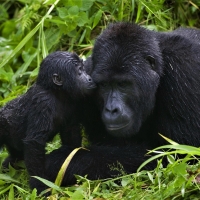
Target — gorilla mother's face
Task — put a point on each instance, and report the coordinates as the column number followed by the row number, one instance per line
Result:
column 126, row 70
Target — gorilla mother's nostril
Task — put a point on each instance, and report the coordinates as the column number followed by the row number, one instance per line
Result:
column 112, row 110
column 115, row 111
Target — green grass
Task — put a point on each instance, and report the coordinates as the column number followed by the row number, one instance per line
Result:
column 30, row 30
column 178, row 180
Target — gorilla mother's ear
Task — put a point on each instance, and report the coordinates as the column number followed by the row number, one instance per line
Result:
column 151, row 60
column 57, row 80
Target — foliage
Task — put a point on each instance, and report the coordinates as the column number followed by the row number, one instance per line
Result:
column 178, row 180
column 31, row 29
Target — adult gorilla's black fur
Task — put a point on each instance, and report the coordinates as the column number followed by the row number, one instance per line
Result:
column 148, row 83
column 53, row 104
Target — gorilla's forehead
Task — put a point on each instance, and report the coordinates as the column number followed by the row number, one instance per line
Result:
column 112, row 51
column 99, row 78
column 116, row 68
column 125, row 36
column 116, row 55
column 118, row 62
column 123, row 42
column 102, row 73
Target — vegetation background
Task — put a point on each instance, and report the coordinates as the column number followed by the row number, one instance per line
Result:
column 31, row 29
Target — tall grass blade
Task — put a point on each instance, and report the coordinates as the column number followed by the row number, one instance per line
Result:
column 64, row 167
column 28, row 36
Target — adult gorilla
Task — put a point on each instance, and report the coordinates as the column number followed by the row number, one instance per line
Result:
column 148, row 82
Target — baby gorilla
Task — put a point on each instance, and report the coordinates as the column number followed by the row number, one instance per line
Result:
column 54, row 104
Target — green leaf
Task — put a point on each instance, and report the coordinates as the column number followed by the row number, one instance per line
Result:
column 53, row 36
column 49, row 2
column 70, row 27
column 49, row 183
column 170, row 159
column 97, row 18
column 82, row 19
column 20, row 189
column 43, row 42
column 8, row 27
column 56, row 20
column 70, row 3
column 139, row 9
column 28, row 36
column 20, row 45
column 87, row 4
column 28, row 58
column 34, row 73
column 2, row 182
column 11, row 193
column 180, row 169
column 8, row 178
column 4, row 189
column 34, row 194
column 77, row 195
column 64, row 166
column 73, row 10
column 82, row 37
column 182, row 149
column 150, row 177
column 3, row 13
column 169, row 140
column 125, row 182
column 62, row 12
column 5, row 76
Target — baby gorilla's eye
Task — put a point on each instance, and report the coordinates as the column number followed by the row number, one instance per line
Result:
column 80, row 70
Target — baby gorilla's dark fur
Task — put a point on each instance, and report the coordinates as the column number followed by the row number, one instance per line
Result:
column 53, row 104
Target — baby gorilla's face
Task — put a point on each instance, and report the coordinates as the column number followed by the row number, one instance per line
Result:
column 84, row 81
column 65, row 72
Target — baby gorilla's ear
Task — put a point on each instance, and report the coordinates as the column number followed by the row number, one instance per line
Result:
column 151, row 60
column 57, row 80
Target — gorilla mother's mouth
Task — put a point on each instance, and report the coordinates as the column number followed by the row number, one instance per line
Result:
column 91, row 87
column 117, row 127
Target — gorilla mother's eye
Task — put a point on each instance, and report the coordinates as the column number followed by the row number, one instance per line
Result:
column 122, row 84
column 103, row 84
column 151, row 60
